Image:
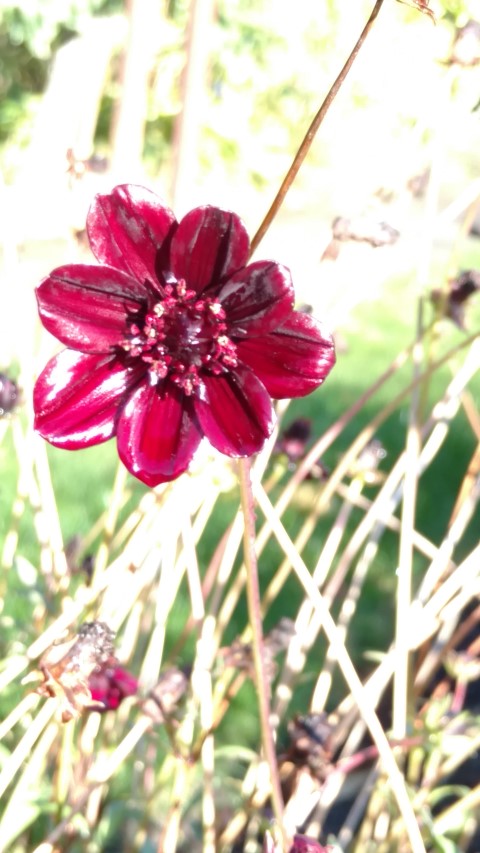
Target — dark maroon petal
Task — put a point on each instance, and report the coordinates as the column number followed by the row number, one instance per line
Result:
column 86, row 307
column 235, row 412
column 128, row 228
column 293, row 360
column 77, row 396
column 258, row 298
column 110, row 686
column 124, row 681
column 156, row 434
column 208, row 246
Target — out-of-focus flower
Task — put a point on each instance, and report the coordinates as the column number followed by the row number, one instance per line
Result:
column 364, row 229
column 66, row 667
column 293, row 440
column 311, row 745
column 170, row 338
column 83, row 673
column 109, row 685
column 9, row 394
column 360, row 229
column 76, row 167
column 452, row 302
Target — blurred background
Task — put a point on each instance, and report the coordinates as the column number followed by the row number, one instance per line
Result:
column 206, row 102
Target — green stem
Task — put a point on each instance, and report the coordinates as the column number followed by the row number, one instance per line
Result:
column 255, row 619
column 312, row 131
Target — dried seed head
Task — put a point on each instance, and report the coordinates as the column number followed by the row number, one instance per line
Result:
column 66, row 667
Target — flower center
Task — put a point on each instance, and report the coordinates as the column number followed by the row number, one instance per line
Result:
column 181, row 336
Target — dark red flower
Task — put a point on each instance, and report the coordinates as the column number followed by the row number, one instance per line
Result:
column 170, row 338
column 109, row 685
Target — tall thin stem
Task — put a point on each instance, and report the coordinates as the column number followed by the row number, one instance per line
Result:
column 403, row 678
column 311, row 132
column 349, row 672
column 255, row 619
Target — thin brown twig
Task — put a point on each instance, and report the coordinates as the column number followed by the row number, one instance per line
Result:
column 255, row 620
column 403, row 676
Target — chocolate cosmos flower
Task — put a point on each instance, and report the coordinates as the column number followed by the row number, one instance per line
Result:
column 170, row 338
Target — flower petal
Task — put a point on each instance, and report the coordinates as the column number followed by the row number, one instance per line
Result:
column 86, row 307
column 156, row 434
column 77, row 397
column 131, row 229
column 109, row 686
column 258, row 298
column 293, row 360
column 208, row 246
column 235, row 412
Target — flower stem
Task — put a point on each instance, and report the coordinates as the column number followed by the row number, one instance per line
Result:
column 255, row 619
column 311, row 132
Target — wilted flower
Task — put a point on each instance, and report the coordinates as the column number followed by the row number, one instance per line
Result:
column 364, row 229
column 109, row 685
column 67, row 667
column 311, row 744
column 83, row 673
column 452, row 302
column 171, row 338
column 293, row 440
